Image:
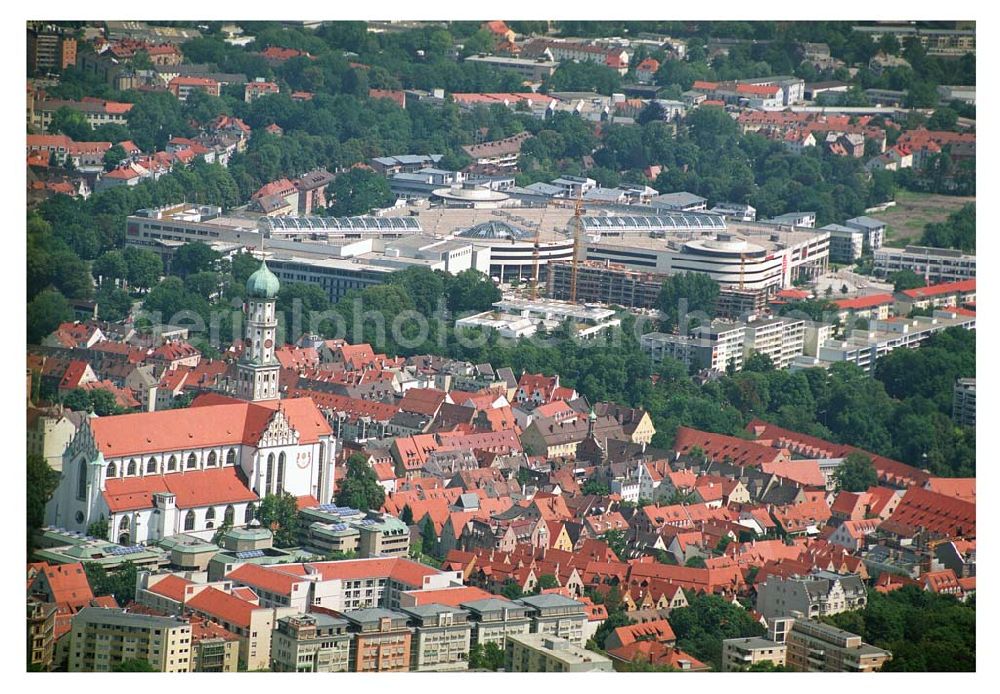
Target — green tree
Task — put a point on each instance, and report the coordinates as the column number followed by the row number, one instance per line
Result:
column 511, row 590
column 192, row 258
column 99, row 528
column 429, row 537
column 360, row 488
column 547, row 581
column 110, row 266
column 144, row 267
column 119, row 583
column 471, row 290
column 617, row 542
column 595, row 486
column 45, row 313
column 488, row 657
column 856, row 474
column 357, row 192
column 279, row 513
column 41, row 484
column 71, row 123
column 114, row 157
column 707, row 620
column 406, row 515
column 695, row 562
column 133, row 665
column 906, row 279
column 688, row 292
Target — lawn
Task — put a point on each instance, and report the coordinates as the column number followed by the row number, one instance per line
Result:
column 914, row 210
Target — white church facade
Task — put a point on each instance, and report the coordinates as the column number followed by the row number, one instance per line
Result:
column 156, row 474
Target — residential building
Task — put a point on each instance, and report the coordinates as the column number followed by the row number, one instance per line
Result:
column 543, row 653
column 780, row 338
column 817, row 647
column 441, row 638
column 213, row 648
column 741, row 653
column 736, row 211
column 717, row 346
column 314, row 642
column 496, row 619
column 949, row 294
column 258, row 88
column 963, row 408
column 381, row 640
column 103, row 637
column 552, row 614
column 933, row 264
column 41, row 633
column 864, row 347
column 501, row 154
column 181, row 87
column 819, row 594
column 50, row 50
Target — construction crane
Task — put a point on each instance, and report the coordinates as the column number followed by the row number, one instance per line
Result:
column 577, row 224
column 535, row 258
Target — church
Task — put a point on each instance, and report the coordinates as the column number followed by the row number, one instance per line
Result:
column 156, row 474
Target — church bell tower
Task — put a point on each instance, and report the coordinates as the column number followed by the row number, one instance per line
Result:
column 258, row 368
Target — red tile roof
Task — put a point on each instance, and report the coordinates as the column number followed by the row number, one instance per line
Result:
column 212, row 421
column 963, row 287
column 657, row 630
column 719, row 447
column 937, row 513
column 449, row 596
column 862, row 302
column 228, row 608
column 68, row 585
column 192, row 489
column 173, row 587
column 890, row 471
column 959, row 487
column 264, row 578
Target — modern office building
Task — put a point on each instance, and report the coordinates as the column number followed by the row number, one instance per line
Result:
column 761, row 258
column 103, row 637
column 531, row 70
column 846, row 244
column 873, row 230
column 544, row 653
column 933, row 264
column 314, row 642
column 328, row 528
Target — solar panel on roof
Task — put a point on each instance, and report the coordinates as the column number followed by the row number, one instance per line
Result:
column 250, row 554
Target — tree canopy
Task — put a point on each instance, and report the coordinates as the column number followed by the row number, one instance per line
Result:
column 359, row 488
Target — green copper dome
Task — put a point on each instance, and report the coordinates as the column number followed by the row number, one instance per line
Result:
column 262, row 284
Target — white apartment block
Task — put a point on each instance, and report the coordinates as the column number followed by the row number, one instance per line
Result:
column 864, row 347
column 782, row 339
